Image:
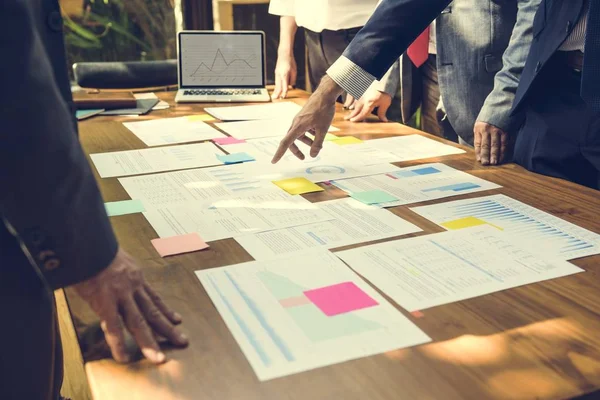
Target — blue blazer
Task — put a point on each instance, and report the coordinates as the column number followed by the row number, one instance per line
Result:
column 50, row 208
column 553, row 23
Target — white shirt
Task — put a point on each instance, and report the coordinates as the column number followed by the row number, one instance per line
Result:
column 576, row 40
column 432, row 39
column 318, row 15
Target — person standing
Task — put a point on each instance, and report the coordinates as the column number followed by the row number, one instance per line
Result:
column 54, row 231
column 329, row 26
column 472, row 55
column 558, row 93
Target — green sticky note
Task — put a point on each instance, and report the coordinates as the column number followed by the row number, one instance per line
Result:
column 124, row 207
column 373, row 197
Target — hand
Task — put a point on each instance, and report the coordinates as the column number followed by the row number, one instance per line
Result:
column 286, row 72
column 350, row 102
column 122, row 299
column 365, row 105
column 315, row 117
column 490, row 143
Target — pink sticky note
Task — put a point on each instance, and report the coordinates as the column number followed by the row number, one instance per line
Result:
column 339, row 299
column 179, row 244
column 228, row 140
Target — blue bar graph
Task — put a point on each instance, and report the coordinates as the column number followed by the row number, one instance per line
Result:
column 520, row 221
column 415, row 172
column 457, row 187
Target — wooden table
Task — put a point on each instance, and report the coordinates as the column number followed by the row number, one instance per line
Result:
column 537, row 341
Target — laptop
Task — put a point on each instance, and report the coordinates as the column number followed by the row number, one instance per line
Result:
column 221, row 67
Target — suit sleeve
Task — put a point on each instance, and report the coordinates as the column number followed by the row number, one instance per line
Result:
column 497, row 107
column 48, row 197
column 394, row 25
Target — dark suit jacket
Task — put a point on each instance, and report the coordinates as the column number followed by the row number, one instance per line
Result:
column 48, row 197
column 553, row 23
column 394, row 25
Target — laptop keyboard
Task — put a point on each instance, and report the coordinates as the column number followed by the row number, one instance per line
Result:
column 221, row 92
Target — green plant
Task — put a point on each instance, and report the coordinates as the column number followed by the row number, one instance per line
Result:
column 117, row 30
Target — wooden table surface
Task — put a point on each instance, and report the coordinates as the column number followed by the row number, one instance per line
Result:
column 536, row 341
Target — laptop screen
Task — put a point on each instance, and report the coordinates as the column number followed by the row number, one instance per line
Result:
column 221, row 59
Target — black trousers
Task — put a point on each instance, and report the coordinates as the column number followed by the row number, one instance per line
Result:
column 327, row 46
column 561, row 135
column 31, row 364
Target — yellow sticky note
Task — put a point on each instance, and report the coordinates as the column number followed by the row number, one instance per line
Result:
column 466, row 222
column 201, row 117
column 298, row 186
column 347, row 140
column 328, row 137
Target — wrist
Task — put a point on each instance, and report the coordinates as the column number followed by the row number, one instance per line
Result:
column 329, row 89
column 285, row 51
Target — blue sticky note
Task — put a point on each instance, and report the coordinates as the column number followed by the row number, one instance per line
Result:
column 235, row 158
column 373, row 197
column 124, row 207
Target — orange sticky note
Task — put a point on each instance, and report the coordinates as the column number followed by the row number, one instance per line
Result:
column 179, row 244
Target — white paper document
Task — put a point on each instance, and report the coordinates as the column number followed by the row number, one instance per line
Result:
column 332, row 163
column 161, row 105
column 198, row 186
column 296, row 314
column 146, row 161
column 260, row 212
column 277, row 110
column 258, row 129
column 525, row 224
column 401, row 148
column 165, row 131
column 351, row 222
column 432, row 270
column 419, row 183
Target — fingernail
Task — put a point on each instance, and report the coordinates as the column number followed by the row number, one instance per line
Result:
column 183, row 339
column 153, row 355
column 177, row 316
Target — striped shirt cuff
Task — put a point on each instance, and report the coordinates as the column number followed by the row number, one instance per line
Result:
column 350, row 77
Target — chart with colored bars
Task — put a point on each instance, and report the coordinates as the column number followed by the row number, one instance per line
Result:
column 322, row 313
column 528, row 225
column 221, row 60
column 416, row 184
column 235, row 179
column 291, row 315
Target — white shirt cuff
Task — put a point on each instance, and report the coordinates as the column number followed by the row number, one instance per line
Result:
column 350, row 77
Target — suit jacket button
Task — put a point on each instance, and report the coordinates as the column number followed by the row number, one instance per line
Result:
column 51, row 264
column 55, row 21
column 538, row 66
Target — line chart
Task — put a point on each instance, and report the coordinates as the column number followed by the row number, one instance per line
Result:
column 214, row 60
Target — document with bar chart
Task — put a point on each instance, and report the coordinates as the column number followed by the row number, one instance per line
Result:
column 199, row 186
column 415, row 184
column 525, row 224
column 441, row 268
column 295, row 314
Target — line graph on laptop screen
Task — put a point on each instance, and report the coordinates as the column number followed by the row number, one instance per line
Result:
column 221, row 60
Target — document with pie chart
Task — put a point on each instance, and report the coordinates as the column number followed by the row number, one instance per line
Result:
column 296, row 314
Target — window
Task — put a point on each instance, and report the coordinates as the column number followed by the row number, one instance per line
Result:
column 119, row 30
